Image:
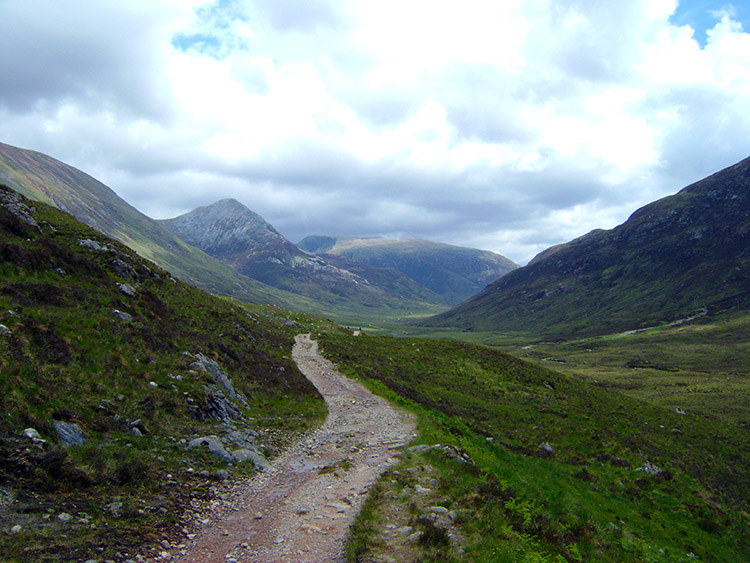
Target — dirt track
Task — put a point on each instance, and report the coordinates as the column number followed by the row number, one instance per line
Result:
column 301, row 509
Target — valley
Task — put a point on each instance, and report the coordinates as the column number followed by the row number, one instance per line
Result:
column 562, row 413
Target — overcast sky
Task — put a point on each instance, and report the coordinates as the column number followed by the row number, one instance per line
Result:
column 505, row 125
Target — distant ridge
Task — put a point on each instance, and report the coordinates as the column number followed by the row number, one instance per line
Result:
column 670, row 259
column 43, row 178
column 232, row 233
column 454, row 272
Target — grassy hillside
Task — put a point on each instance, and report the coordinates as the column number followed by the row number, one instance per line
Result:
column 676, row 257
column 50, row 181
column 554, row 472
column 94, row 336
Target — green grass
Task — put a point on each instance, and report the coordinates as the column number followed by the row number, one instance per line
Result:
column 584, row 502
column 68, row 358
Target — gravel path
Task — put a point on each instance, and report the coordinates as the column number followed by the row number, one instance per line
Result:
column 301, row 509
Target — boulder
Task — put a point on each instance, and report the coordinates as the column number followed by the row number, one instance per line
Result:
column 70, row 433
column 259, row 461
column 5, row 331
column 91, row 244
column 122, row 315
column 221, row 377
column 127, row 289
column 212, row 444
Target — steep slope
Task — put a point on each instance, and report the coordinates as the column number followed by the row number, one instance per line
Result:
column 48, row 180
column 675, row 258
column 454, row 272
column 113, row 378
column 241, row 238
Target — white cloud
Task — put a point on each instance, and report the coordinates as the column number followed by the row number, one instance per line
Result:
column 509, row 125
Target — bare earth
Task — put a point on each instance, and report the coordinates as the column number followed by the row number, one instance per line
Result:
column 302, row 508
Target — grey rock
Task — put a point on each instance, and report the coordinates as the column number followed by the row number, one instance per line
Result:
column 122, row 315
column 127, row 289
column 259, row 461
column 114, row 508
column 650, row 469
column 221, row 475
column 678, row 410
column 213, row 444
column 5, row 331
column 241, row 439
column 13, row 203
column 33, row 435
column 220, row 376
column 438, row 510
column 62, row 273
column 546, row 447
column 124, row 270
column 92, row 245
column 70, row 433
column 64, row 517
column 16, row 529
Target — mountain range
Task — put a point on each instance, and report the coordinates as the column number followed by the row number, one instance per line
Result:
column 456, row 273
column 227, row 249
column 232, row 233
column 682, row 256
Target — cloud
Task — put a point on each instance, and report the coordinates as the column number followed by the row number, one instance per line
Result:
column 506, row 125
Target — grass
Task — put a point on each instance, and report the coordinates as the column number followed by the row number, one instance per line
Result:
column 585, row 501
column 68, row 358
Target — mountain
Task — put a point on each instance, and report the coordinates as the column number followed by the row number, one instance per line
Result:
column 684, row 255
column 112, row 376
column 45, row 179
column 232, row 233
column 456, row 273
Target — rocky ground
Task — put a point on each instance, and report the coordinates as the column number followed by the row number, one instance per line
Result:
column 301, row 508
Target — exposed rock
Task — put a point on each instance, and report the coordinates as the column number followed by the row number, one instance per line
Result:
column 33, row 435
column 5, row 331
column 64, row 517
column 62, row 273
column 114, row 508
column 127, row 289
column 16, row 529
column 547, row 448
column 124, row 270
column 122, row 315
column 92, row 245
column 213, row 444
column 678, row 410
column 259, row 461
column 70, row 433
column 650, row 469
column 220, row 376
column 13, row 202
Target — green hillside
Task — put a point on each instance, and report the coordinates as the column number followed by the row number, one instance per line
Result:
column 110, row 350
column 678, row 257
column 533, row 465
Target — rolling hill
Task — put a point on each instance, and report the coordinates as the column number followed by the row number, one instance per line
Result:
column 679, row 257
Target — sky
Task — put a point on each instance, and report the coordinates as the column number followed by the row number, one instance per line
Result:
column 504, row 125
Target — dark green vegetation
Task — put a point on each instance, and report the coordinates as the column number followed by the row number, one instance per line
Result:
column 129, row 381
column 678, row 257
column 581, row 498
column 453, row 272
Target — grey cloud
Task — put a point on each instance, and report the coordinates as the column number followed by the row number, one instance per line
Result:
column 100, row 53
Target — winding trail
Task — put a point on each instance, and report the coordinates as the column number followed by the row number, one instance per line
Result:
column 294, row 512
